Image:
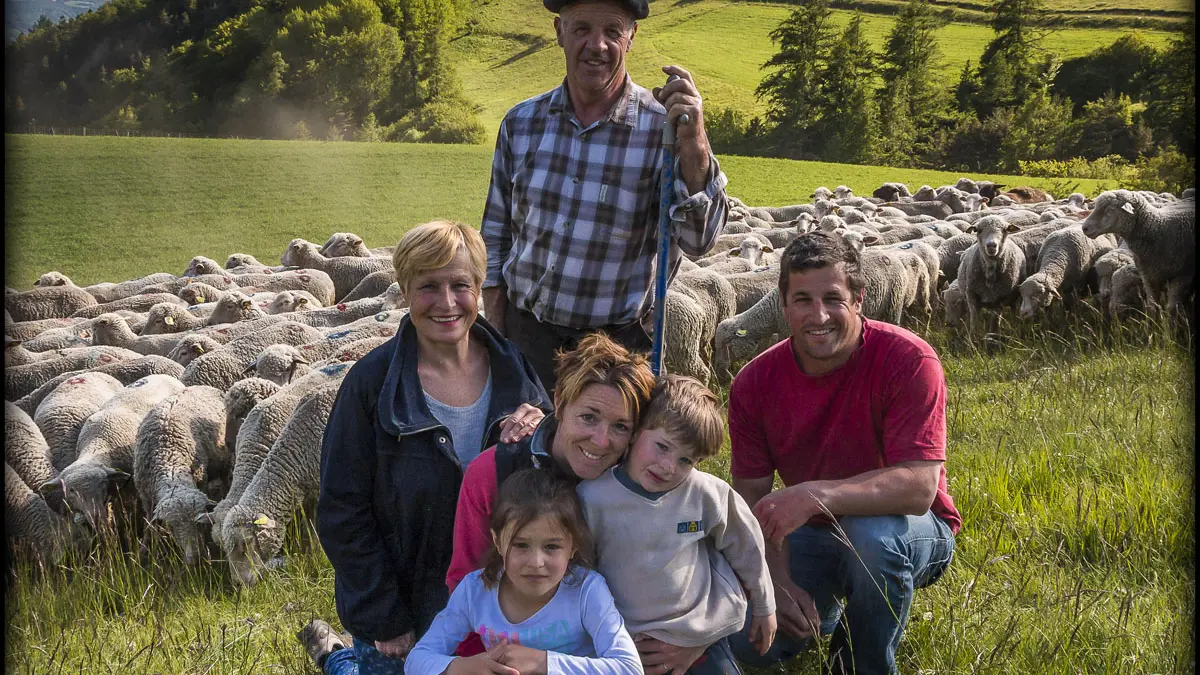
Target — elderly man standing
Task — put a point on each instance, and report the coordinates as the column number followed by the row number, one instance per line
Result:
column 573, row 207
column 851, row 414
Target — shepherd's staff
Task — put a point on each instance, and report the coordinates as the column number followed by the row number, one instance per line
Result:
column 664, row 238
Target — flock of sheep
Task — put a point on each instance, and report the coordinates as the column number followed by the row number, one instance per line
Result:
column 967, row 247
column 198, row 402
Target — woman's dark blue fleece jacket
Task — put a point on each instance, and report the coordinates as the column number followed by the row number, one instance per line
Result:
column 390, row 480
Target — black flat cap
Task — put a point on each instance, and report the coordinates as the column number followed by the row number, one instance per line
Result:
column 639, row 8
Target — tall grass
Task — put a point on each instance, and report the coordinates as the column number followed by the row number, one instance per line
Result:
column 1070, row 458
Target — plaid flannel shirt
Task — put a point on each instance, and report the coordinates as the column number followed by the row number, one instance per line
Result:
column 571, row 222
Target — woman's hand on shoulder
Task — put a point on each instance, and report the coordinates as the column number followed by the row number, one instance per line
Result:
column 520, row 423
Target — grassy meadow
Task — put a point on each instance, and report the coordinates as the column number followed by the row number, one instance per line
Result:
column 510, row 53
column 1070, row 449
column 110, row 208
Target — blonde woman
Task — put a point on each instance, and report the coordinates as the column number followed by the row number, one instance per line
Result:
column 408, row 420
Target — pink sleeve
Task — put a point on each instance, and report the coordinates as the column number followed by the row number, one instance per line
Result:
column 750, row 456
column 472, row 536
column 915, row 421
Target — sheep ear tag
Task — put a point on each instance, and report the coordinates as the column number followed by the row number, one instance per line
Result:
column 1127, row 208
column 741, row 332
column 264, row 521
column 170, row 320
column 199, row 299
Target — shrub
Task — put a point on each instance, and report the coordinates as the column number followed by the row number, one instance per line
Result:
column 1168, row 171
column 726, row 129
column 440, row 121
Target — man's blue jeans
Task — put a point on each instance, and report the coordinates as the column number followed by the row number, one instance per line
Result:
column 862, row 594
column 362, row 659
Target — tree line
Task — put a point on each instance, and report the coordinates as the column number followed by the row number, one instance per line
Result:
column 364, row 69
column 1126, row 110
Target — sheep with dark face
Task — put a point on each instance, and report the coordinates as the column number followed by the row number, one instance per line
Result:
column 1162, row 241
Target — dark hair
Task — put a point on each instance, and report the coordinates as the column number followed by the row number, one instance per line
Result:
column 527, row 495
column 817, row 249
column 685, row 408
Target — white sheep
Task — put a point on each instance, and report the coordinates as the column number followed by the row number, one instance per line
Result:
column 25, row 448
column 992, row 269
column 223, row 367
column 745, row 335
column 345, row 244
column 312, row 281
column 1063, row 266
column 21, row 380
column 377, row 283
column 192, row 346
column 34, row 528
column 107, row 292
column 280, row 364
column 252, row 532
column 233, row 307
column 15, row 354
column 125, row 372
column 1161, row 239
column 896, row 280
column 201, row 265
column 954, row 303
column 1104, row 267
column 1128, row 294
column 843, row 192
column 342, row 313
column 141, row 302
column 26, row 330
column 106, row 448
column 50, row 302
column 61, row 414
column 967, row 185
column 696, row 302
column 179, row 454
column 112, row 330
column 346, row 272
column 291, row 301
column 166, row 317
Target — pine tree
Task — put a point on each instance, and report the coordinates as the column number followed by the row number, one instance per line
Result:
column 911, row 100
column 848, row 120
column 804, row 39
column 1011, row 68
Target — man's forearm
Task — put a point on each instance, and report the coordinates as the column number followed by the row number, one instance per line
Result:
column 694, row 163
column 495, row 306
column 904, row 489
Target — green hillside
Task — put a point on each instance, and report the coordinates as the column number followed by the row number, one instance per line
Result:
column 109, row 208
column 510, row 53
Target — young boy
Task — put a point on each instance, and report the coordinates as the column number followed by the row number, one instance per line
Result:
column 677, row 546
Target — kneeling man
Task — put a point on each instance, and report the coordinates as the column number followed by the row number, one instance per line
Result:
column 851, row 413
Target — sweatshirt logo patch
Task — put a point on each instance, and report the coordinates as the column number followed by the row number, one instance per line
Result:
column 689, row 527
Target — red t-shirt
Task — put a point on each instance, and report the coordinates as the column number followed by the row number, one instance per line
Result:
column 886, row 405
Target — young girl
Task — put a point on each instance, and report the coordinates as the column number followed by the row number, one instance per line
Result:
column 536, row 606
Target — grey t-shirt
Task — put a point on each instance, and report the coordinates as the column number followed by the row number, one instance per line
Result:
column 467, row 424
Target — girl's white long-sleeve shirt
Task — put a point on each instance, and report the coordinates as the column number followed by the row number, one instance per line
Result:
column 579, row 629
